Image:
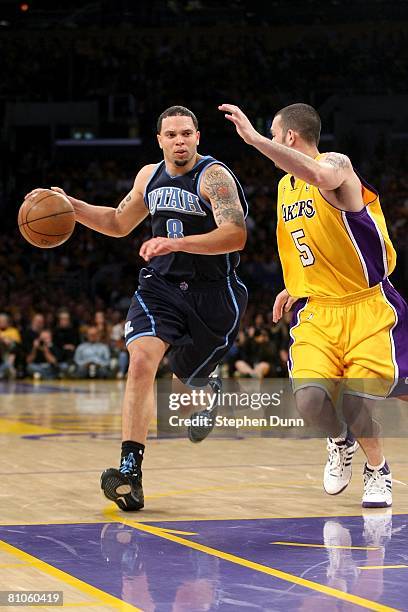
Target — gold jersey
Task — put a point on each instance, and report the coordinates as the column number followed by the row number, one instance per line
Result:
column 326, row 251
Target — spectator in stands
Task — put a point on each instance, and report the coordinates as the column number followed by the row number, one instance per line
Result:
column 258, row 355
column 66, row 336
column 8, row 331
column 234, row 354
column 92, row 358
column 117, row 344
column 103, row 327
column 33, row 332
column 9, row 341
column 44, row 358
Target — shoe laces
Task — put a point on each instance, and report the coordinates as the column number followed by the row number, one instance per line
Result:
column 336, row 458
column 374, row 482
column 128, row 464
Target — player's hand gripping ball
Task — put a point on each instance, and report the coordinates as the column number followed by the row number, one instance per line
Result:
column 46, row 218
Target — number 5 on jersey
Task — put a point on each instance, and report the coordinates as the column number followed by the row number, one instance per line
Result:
column 306, row 255
column 174, row 228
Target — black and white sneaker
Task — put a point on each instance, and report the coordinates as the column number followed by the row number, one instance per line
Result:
column 204, row 420
column 124, row 486
column 377, row 487
column 337, row 472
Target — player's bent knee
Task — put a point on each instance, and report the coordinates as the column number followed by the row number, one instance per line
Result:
column 141, row 365
column 358, row 414
column 310, row 402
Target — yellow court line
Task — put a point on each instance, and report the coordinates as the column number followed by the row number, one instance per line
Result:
column 179, row 532
column 103, row 598
column 21, row 428
column 324, row 546
column 315, row 586
column 367, row 567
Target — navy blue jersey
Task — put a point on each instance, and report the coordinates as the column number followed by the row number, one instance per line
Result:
column 178, row 209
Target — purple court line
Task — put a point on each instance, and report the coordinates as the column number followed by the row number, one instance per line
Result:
column 66, row 434
column 154, row 573
column 27, row 387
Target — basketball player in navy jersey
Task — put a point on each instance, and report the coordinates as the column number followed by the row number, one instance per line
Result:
column 189, row 301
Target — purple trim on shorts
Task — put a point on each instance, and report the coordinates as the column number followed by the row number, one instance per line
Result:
column 366, row 237
column 399, row 335
column 299, row 305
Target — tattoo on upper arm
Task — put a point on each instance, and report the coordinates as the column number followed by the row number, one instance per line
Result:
column 123, row 204
column 222, row 191
column 337, row 160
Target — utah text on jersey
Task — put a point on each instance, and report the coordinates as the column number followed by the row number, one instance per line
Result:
column 174, row 198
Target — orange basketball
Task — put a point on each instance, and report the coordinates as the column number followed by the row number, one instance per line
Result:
column 46, row 219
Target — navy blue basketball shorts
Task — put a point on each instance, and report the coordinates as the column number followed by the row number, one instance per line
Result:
column 199, row 321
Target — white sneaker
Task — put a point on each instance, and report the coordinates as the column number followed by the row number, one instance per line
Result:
column 377, row 487
column 337, row 471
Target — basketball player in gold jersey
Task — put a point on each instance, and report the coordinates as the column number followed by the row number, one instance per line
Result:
column 349, row 323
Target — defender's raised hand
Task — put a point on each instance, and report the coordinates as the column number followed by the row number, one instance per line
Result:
column 243, row 125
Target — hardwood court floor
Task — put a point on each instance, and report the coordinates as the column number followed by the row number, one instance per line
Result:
column 228, row 524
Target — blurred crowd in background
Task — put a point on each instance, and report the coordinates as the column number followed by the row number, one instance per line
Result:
column 62, row 311
column 94, row 63
column 60, row 345
column 74, row 299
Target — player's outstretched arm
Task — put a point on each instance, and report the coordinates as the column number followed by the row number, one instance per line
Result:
column 116, row 222
column 328, row 173
column 219, row 187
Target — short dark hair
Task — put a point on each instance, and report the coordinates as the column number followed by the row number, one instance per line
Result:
column 175, row 111
column 301, row 118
